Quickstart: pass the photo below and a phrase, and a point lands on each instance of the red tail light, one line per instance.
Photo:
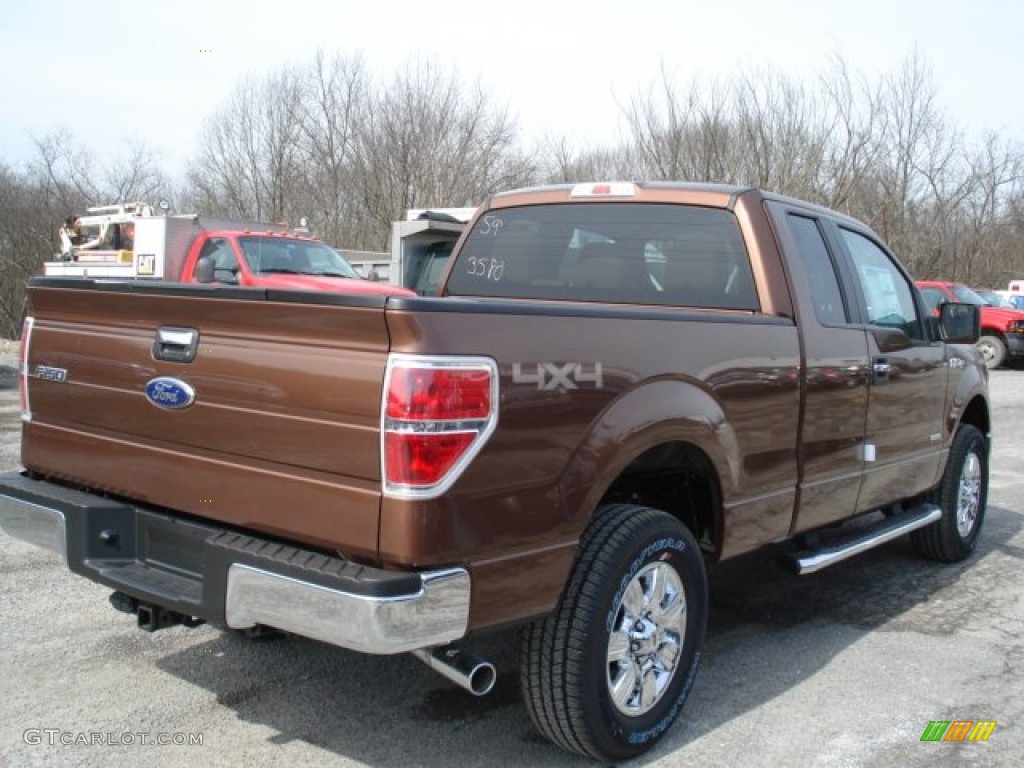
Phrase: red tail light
(437, 414)
(439, 394)
(26, 340)
(422, 459)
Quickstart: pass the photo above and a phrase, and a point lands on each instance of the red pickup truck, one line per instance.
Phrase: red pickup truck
(620, 385)
(200, 249)
(1002, 330)
(272, 260)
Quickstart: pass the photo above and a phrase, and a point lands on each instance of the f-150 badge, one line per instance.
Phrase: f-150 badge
(49, 373)
(170, 393)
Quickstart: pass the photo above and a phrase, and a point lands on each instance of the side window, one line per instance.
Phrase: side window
(819, 270)
(225, 265)
(933, 297)
(435, 261)
(887, 294)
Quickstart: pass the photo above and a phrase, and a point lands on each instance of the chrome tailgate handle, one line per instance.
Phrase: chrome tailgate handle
(176, 345)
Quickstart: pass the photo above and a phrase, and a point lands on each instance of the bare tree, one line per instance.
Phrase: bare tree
(24, 244)
(249, 158)
(884, 152)
(60, 180)
(761, 129)
(66, 170)
(429, 140)
(851, 109)
(782, 131)
(912, 133)
(686, 135)
(562, 163)
(333, 108)
(135, 175)
(996, 171)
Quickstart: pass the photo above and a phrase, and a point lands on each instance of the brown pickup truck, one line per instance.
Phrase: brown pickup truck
(619, 385)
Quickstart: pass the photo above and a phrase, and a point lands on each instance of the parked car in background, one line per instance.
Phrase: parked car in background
(995, 298)
(1009, 299)
(1002, 330)
(1015, 299)
(140, 242)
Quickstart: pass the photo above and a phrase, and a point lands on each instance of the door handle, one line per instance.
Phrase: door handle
(176, 345)
(880, 370)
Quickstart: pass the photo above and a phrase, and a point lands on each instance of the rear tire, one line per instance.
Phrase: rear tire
(607, 673)
(962, 495)
(993, 351)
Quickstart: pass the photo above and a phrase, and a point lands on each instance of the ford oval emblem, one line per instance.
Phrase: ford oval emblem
(170, 393)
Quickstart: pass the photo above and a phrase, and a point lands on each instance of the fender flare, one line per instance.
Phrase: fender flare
(655, 412)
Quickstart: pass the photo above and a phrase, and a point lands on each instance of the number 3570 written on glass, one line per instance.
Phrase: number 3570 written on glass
(491, 269)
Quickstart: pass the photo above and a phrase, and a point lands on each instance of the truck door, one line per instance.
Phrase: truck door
(903, 445)
(835, 371)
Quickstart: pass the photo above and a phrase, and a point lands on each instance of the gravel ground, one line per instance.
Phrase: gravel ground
(10, 426)
(842, 668)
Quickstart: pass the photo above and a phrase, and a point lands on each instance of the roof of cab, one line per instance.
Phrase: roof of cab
(715, 195)
(681, 192)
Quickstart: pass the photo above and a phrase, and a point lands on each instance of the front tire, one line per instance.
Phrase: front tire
(993, 351)
(962, 495)
(607, 673)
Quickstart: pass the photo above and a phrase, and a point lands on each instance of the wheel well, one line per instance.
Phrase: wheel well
(677, 478)
(976, 413)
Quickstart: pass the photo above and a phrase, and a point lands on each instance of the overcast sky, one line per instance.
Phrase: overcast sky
(154, 70)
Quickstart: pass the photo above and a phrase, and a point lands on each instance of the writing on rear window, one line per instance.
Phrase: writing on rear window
(492, 269)
(490, 225)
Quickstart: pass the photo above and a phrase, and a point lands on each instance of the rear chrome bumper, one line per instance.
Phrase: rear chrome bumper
(234, 579)
(35, 524)
(434, 615)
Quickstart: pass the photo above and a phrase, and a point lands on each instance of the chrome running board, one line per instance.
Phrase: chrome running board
(809, 561)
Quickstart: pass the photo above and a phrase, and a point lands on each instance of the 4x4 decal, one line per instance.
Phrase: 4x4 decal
(558, 376)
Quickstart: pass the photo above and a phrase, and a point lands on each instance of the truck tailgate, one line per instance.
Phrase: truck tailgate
(283, 433)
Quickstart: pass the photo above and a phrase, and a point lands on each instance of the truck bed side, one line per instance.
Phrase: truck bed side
(638, 379)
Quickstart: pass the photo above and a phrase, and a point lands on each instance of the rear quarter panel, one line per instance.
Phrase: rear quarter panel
(725, 383)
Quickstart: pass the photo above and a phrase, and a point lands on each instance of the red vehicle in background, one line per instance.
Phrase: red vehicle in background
(1002, 330)
(132, 241)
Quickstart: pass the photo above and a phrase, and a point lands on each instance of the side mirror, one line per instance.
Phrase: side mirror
(204, 270)
(959, 323)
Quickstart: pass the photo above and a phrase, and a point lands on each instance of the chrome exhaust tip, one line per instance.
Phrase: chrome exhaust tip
(467, 670)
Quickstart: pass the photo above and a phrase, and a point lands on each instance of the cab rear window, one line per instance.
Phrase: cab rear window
(625, 253)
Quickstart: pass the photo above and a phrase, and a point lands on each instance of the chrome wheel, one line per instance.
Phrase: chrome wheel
(646, 639)
(993, 351)
(969, 496)
(988, 353)
(606, 674)
(961, 495)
